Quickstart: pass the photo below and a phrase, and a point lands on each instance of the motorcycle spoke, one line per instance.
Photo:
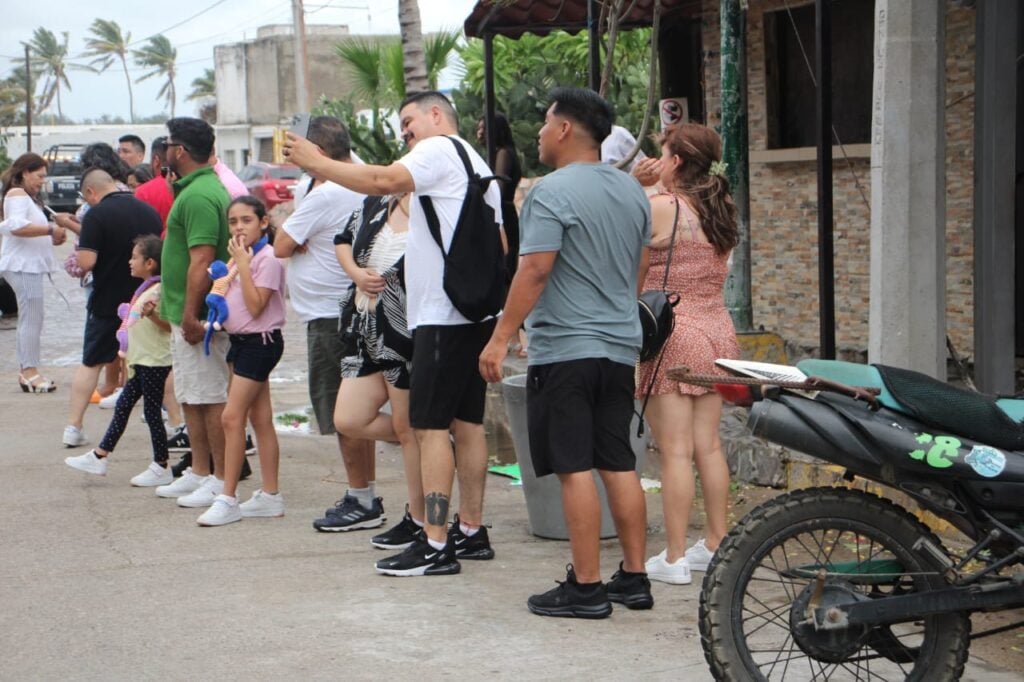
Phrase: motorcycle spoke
(776, 618)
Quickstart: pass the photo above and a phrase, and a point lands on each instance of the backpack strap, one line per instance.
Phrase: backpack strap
(433, 224)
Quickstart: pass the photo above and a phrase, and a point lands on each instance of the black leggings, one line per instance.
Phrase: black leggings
(147, 383)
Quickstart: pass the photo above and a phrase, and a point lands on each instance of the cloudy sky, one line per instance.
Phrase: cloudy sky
(218, 22)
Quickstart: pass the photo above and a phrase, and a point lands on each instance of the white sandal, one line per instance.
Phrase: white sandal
(29, 385)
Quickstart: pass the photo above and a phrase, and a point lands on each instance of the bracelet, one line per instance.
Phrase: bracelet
(51, 229)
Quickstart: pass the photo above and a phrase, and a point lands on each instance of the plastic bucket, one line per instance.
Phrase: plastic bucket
(544, 494)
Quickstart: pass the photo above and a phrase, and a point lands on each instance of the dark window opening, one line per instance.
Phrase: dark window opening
(789, 73)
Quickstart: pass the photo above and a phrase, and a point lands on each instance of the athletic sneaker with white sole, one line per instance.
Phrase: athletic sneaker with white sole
(676, 573)
(263, 505)
(420, 558)
(89, 463)
(110, 402)
(222, 511)
(74, 437)
(153, 476)
(699, 556)
(204, 495)
(183, 485)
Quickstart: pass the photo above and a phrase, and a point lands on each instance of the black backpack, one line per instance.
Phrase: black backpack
(474, 266)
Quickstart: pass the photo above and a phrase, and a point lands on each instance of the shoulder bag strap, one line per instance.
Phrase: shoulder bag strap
(671, 245)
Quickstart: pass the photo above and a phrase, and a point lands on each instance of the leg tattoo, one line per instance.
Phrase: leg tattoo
(436, 508)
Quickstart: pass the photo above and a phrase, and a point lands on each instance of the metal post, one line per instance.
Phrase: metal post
(301, 57)
(28, 99)
(594, 34)
(489, 104)
(826, 261)
(995, 133)
(735, 154)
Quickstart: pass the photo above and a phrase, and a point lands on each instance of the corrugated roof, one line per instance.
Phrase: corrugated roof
(513, 18)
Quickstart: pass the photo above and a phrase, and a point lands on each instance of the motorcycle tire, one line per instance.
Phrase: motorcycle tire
(755, 592)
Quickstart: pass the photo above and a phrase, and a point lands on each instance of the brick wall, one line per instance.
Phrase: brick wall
(783, 202)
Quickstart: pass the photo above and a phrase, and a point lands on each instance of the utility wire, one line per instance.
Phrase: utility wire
(180, 23)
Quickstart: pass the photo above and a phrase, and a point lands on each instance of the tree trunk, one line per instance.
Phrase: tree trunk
(413, 59)
(174, 95)
(60, 112)
(131, 99)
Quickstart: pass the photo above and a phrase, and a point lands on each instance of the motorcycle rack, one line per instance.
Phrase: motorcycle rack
(866, 394)
(888, 610)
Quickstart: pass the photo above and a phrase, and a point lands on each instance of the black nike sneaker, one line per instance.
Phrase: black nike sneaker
(420, 558)
(474, 547)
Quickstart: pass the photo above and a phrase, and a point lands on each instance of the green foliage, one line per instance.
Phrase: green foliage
(204, 87)
(527, 69)
(160, 57)
(375, 141)
(378, 83)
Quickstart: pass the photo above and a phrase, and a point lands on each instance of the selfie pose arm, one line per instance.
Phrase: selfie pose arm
(365, 179)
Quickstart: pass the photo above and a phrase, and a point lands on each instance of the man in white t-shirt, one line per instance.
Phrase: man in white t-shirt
(446, 389)
(315, 285)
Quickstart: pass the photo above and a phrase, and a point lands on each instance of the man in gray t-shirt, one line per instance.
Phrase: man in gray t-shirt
(585, 229)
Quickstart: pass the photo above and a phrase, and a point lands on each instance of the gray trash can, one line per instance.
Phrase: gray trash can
(544, 495)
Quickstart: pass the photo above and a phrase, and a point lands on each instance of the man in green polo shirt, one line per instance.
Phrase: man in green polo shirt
(197, 235)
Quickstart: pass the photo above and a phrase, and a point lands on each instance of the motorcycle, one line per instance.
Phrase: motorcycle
(837, 583)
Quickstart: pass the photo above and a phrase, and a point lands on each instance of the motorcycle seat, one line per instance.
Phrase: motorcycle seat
(978, 416)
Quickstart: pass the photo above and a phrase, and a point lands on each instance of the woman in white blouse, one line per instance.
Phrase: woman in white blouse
(26, 257)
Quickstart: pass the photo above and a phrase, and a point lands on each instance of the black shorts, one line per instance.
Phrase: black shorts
(445, 381)
(578, 415)
(100, 340)
(254, 356)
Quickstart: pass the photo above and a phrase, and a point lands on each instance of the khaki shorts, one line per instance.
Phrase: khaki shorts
(200, 379)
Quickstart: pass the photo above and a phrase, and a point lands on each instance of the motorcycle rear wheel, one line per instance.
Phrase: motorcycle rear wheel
(755, 593)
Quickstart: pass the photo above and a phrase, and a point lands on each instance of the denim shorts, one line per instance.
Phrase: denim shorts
(254, 356)
(100, 340)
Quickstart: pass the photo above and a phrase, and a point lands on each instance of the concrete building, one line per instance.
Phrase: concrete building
(255, 83)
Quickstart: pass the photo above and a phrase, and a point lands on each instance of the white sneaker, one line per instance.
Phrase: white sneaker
(263, 504)
(74, 437)
(223, 510)
(204, 495)
(699, 556)
(89, 463)
(183, 485)
(678, 573)
(154, 475)
(110, 402)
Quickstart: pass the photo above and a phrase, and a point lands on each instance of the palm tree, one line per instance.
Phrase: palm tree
(160, 56)
(108, 43)
(412, 46)
(49, 56)
(364, 60)
(204, 87)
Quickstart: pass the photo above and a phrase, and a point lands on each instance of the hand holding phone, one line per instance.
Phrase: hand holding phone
(300, 125)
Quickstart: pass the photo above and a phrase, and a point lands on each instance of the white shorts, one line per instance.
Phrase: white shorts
(200, 379)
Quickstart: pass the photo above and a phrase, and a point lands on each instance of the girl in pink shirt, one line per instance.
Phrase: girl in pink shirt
(255, 302)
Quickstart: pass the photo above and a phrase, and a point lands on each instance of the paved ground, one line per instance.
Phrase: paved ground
(100, 580)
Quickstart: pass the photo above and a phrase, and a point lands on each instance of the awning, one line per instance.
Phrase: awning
(513, 18)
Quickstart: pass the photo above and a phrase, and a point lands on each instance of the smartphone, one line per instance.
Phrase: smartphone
(50, 211)
(300, 125)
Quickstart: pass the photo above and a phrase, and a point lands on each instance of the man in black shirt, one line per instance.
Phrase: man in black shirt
(109, 229)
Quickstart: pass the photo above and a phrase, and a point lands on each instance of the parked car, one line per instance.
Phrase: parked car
(271, 183)
(64, 170)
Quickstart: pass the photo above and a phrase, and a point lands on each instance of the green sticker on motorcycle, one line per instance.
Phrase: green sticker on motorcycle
(943, 451)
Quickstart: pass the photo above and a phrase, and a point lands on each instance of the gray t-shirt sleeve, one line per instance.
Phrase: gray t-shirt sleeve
(542, 228)
(648, 224)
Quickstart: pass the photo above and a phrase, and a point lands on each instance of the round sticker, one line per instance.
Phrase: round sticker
(986, 460)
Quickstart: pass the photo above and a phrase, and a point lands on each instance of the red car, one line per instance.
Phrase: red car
(271, 183)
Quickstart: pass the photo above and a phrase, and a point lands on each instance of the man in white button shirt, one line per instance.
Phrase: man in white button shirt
(315, 285)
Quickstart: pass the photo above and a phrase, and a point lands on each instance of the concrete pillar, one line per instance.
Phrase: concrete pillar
(907, 323)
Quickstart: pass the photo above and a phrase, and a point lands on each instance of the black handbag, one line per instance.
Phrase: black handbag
(657, 320)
